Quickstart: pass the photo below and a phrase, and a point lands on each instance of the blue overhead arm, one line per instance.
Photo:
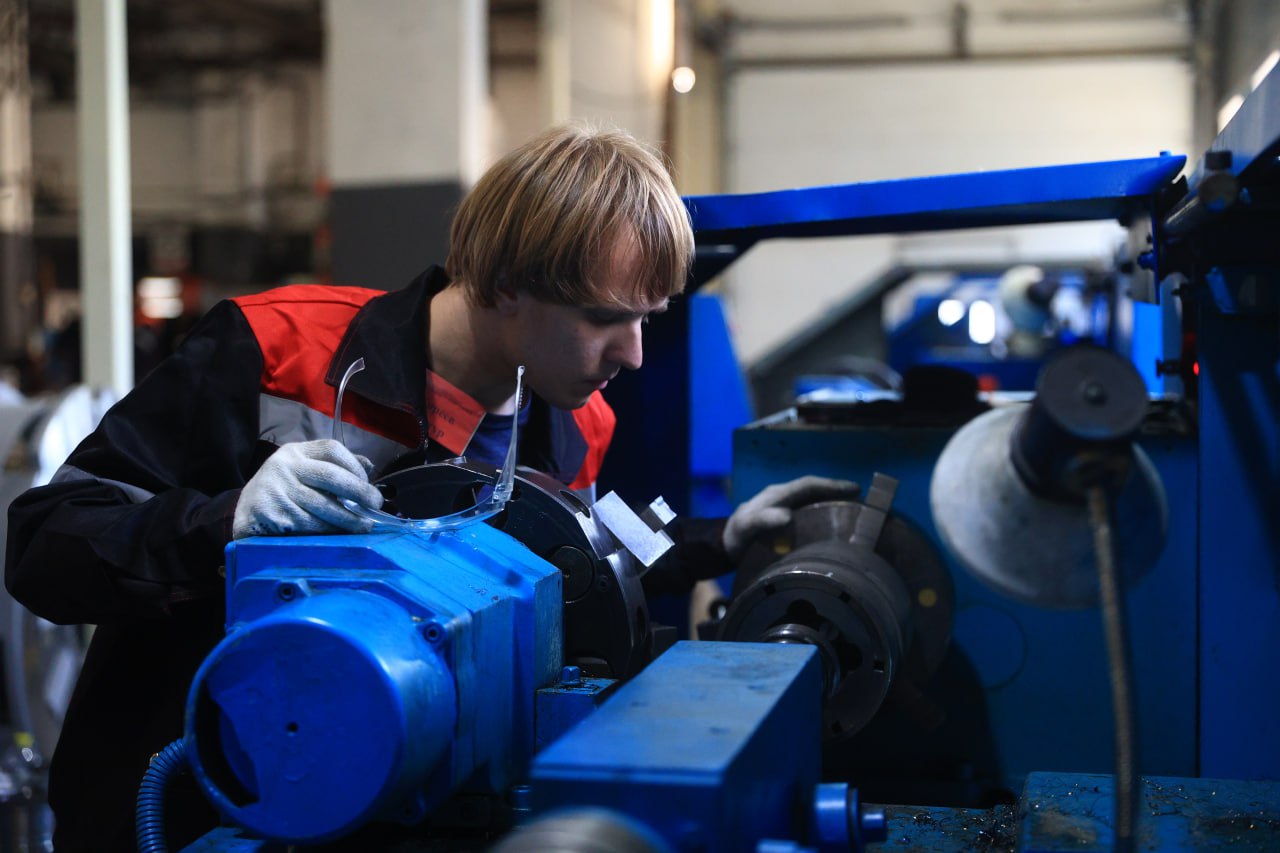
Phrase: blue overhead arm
(727, 225)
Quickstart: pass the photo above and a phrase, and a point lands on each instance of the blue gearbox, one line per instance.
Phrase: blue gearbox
(369, 677)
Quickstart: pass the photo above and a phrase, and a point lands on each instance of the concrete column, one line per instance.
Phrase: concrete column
(17, 286)
(619, 63)
(106, 223)
(407, 84)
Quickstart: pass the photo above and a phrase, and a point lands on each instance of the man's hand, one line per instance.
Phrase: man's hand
(771, 508)
(299, 489)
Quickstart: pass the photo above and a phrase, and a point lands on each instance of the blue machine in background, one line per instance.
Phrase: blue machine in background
(395, 678)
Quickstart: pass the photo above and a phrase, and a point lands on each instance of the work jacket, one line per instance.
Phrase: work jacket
(130, 533)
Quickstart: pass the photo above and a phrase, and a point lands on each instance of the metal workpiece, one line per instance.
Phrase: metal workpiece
(863, 587)
(642, 534)
(607, 631)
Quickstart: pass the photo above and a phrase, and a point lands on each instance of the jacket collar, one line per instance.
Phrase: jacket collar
(390, 334)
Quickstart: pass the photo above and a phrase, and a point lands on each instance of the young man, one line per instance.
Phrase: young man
(557, 258)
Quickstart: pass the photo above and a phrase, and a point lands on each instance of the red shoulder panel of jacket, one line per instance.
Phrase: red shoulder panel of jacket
(298, 329)
(596, 420)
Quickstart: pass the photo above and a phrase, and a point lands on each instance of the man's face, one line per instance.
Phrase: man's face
(571, 351)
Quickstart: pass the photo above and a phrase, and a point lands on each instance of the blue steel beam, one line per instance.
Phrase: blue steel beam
(1088, 191)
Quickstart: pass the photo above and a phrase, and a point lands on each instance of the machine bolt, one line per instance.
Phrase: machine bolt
(873, 825)
(286, 591)
(433, 632)
(1217, 160)
(521, 799)
(1095, 392)
(570, 676)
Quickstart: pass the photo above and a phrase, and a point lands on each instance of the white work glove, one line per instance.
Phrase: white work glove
(298, 489)
(771, 508)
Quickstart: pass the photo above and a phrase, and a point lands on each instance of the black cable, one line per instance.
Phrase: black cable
(1126, 781)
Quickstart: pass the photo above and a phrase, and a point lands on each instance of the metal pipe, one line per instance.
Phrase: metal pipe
(1126, 781)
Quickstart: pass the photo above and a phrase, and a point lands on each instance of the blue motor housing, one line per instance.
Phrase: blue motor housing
(369, 677)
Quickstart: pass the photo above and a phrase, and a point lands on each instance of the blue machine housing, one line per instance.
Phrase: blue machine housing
(715, 746)
(369, 677)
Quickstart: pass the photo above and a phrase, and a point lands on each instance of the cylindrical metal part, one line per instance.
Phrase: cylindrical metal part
(1089, 401)
(583, 830)
(846, 601)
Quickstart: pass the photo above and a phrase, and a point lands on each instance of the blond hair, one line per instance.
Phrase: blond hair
(545, 218)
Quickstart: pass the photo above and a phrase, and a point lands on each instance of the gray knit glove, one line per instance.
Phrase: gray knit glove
(298, 488)
(771, 508)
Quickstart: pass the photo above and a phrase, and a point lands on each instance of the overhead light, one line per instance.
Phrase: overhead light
(982, 322)
(682, 79)
(950, 312)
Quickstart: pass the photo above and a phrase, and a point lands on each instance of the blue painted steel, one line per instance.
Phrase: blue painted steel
(560, 708)
(1041, 693)
(1253, 134)
(369, 677)
(1073, 812)
(1106, 190)
(719, 401)
(713, 746)
(1239, 545)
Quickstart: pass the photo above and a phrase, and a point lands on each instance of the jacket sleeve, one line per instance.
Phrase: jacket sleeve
(137, 518)
(698, 554)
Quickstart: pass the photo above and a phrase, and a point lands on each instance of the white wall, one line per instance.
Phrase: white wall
(406, 80)
(248, 152)
(811, 125)
(615, 57)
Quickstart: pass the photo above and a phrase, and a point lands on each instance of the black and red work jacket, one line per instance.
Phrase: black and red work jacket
(130, 533)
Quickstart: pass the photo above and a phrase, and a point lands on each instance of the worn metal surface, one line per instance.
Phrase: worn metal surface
(1073, 812)
(713, 746)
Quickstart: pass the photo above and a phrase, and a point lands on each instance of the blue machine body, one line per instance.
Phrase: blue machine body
(719, 736)
(370, 677)
(1238, 352)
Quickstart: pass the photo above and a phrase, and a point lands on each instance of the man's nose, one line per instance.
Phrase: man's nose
(628, 346)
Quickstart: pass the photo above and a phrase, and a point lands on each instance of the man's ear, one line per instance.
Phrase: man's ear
(506, 300)
(506, 297)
